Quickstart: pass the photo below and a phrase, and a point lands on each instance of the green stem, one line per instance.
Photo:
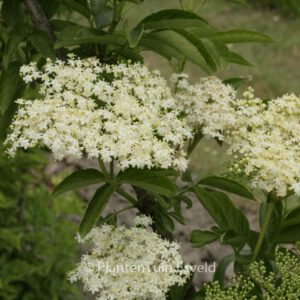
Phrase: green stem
(127, 196)
(264, 228)
(124, 209)
(111, 169)
(103, 169)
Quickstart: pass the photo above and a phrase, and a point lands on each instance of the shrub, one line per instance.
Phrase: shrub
(37, 246)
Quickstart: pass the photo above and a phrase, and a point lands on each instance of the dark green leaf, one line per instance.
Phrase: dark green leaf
(227, 185)
(42, 43)
(171, 18)
(178, 217)
(10, 85)
(151, 42)
(200, 238)
(94, 209)
(11, 47)
(240, 36)
(78, 179)
(289, 232)
(163, 222)
(223, 264)
(77, 6)
(103, 14)
(76, 35)
(275, 221)
(12, 13)
(227, 217)
(49, 7)
(154, 182)
(181, 292)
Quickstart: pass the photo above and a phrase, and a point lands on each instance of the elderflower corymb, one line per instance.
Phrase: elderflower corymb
(267, 139)
(129, 263)
(124, 112)
(208, 104)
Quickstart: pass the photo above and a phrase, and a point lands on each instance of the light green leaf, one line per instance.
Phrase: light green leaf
(94, 209)
(183, 46)
(239, 60)
(204, 46)
(78, 179)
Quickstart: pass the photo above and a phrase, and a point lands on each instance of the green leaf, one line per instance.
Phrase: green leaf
(240, 36)
(11, 47)
(235, 58)
(10, 85)
(227, 185)
(42, 43)
(163, 222)
(275, 221)
(183, 46)
(222, 267)
(172, 18)
(12, 13)
(204, 46)
(77, 35)
(179, 292)
(289, 232)
(49, 7)
(154, 182)
(103, 14)
(76, 6)
(78, 179)
(95, 207)
(236, 82)
(228, 218)
(151, 42)
(134, 36)
(200, 238)
(176, 19)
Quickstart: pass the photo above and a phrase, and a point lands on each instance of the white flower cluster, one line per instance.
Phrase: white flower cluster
(122, 112)
(208, 104)
(267, 139)
(142, 220)
(129, 263)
